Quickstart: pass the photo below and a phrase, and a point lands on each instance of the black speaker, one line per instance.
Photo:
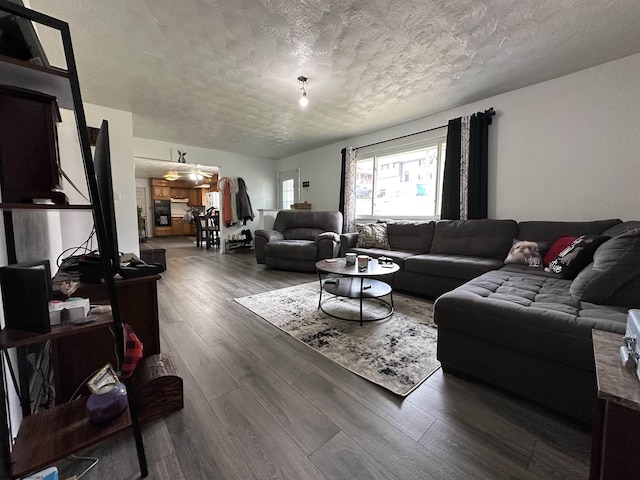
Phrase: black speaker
(26, 291)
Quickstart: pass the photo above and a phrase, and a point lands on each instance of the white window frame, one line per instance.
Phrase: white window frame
(425, 140)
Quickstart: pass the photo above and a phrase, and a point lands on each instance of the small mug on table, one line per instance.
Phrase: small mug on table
(363, 262)
(351, 258)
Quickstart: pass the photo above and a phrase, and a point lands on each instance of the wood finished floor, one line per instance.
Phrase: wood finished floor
(261, 405)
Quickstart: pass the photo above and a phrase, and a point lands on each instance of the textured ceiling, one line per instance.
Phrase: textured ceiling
(222, 74)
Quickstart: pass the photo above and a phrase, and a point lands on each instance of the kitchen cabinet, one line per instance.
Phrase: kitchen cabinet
(178, 227)
(194, 198)
(162, 231)
(160, 191)
(180, 192)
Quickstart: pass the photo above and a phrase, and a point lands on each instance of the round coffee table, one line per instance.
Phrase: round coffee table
(355, 283)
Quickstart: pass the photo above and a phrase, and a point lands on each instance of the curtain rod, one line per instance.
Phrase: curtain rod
(491, 112)
(403, 136)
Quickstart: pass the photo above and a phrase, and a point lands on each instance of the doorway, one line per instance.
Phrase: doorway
(141, 202)
(288, 188)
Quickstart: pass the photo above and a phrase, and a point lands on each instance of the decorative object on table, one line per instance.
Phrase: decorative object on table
(74, 310)
(108, 397)
(69, 287)
(398, 353)
(107, 403)
(630, 350)
(363, 262)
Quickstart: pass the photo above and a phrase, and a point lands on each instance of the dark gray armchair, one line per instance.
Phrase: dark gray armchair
(299, 239)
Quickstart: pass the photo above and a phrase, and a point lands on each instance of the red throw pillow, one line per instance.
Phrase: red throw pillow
(559, 245)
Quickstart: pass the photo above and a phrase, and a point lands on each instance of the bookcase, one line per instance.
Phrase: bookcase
(57, 432)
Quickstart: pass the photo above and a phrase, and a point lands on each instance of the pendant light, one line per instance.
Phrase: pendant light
(304, 101)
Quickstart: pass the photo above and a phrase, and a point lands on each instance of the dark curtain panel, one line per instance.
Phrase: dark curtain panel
(451, 181)
(342, 179)
(478, 165)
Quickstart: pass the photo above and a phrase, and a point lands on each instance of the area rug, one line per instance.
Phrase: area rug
(398, 353)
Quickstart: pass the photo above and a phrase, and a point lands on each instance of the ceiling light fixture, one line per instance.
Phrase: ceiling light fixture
(304, 101)
(171, 175)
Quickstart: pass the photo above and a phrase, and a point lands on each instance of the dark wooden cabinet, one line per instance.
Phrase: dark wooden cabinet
(28, 146)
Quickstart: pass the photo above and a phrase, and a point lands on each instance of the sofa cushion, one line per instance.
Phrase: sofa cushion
(396, 256)
(307, 225)
(291, 249)
(410, 235)
(453, 266)
(576, 256)
(372, 235)
(545, 231)
(477, 238)
(527, 252)
(614, 276)
(301, 233)
(621, 228)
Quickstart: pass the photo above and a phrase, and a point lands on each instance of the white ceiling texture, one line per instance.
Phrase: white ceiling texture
(222, 74)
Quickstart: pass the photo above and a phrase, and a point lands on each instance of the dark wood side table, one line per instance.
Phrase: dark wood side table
(616, 431)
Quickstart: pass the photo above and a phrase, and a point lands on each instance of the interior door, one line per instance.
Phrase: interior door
(288, 188)
(141, 201)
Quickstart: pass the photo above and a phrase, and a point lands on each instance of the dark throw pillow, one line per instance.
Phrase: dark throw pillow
(527, 252)
(556, 247)
(570, 261)
(372, 235)
(614, 276)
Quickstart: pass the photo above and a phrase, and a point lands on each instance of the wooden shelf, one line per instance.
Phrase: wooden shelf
(57, 433)
(11, 338)
(52, 81)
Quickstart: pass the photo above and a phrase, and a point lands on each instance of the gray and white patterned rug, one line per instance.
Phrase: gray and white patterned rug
(398, 353)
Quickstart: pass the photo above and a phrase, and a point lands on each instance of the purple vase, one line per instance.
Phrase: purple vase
(107, 403)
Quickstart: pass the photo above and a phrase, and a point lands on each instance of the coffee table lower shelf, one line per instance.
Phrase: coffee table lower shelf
(360, 288)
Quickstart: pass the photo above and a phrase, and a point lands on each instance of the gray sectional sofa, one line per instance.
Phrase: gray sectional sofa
(517, 327)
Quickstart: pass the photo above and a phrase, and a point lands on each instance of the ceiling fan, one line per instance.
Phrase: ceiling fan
(194, 172)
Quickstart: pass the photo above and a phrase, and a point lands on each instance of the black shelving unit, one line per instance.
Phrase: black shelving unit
(47, 436)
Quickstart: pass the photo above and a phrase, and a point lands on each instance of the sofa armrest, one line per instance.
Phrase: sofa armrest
(261, 238)
(328, 244)
(347, 241)
(269, 235)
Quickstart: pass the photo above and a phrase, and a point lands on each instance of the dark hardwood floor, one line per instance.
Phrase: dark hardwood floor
(261, 405)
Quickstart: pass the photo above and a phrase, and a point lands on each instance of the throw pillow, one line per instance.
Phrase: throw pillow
(614, 276)
(372, 235)
(527, 252)
(576, 256)
(556, 247)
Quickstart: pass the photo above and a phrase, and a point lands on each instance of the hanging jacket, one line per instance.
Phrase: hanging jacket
(226, 185)
(243, 203)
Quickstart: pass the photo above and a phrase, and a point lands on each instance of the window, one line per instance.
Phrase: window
(401, 181)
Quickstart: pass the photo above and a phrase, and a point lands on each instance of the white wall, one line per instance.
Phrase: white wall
(78, 224)
(565, 149)
(258, 173)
